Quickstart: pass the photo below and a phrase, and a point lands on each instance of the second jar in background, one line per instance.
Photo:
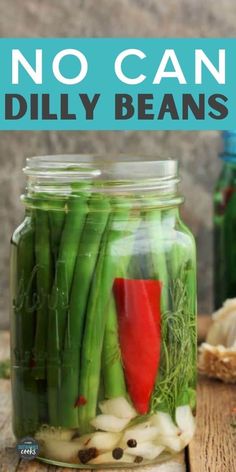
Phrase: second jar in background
(225, 224)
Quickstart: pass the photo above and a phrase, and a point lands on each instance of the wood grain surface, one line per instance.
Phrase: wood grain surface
(213, 448)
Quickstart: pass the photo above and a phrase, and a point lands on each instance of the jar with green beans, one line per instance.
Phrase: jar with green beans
(103, 317)
(225, 224)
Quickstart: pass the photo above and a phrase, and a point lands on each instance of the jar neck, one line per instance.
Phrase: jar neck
(147, 200)
(229, 158)
(229, 145)
(53, 181)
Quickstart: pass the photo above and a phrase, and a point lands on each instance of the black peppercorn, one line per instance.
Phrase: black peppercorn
(138, 459)
(132, 443)
(86, 455)
(117, 453)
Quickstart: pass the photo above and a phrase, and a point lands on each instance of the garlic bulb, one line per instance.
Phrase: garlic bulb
(218, 354)
(223, 329)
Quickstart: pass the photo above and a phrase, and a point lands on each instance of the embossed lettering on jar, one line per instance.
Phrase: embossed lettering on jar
(103, 319)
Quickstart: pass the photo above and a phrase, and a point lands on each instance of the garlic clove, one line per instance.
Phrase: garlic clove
(109, 423)
(185, 419)
(165, 424)
(140, 433)
(119, 407)
(174, 443)
(103, 441)
(223, 329)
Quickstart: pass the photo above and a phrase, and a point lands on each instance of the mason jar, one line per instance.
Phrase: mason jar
(103, 319)
(225, 223)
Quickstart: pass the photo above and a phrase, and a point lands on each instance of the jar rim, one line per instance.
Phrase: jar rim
(58, 175)
(110, 167)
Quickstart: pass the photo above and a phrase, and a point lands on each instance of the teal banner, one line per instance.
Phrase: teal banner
(117, 84)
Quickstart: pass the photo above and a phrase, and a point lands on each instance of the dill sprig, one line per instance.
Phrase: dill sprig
(176, 377)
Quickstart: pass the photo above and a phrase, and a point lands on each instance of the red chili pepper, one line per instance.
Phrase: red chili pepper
(80, 401)
(139, 318)
(225, 198)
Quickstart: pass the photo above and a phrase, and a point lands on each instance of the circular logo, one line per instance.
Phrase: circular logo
(28, 448)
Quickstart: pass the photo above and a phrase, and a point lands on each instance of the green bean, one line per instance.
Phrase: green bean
(59, 303)
(113, 375)
(56, 222)
(86, 260)
(157, 261)
(44, 283)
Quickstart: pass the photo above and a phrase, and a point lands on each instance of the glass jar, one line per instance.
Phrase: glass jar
(103, 323)
(225, 224)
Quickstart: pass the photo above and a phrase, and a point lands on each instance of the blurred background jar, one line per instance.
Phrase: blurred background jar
(225, 223)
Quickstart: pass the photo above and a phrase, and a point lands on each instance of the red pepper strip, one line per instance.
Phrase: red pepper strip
(80, 401)
(225, 198)
(138, 308)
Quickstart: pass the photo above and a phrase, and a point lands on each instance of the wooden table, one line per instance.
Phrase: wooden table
(212, 450)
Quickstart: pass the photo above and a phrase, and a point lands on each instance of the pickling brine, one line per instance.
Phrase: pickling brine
(103, 322)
